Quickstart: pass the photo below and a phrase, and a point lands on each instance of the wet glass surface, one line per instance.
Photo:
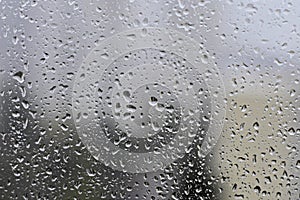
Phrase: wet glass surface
(141, 99)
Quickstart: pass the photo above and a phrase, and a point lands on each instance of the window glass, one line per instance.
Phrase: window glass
(149, 99)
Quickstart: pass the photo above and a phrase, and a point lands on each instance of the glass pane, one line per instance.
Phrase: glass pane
(148, 99)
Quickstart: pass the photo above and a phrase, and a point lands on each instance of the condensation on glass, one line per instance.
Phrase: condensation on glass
(148, 99)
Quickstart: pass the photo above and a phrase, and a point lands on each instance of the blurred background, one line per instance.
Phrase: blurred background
(255, 45)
